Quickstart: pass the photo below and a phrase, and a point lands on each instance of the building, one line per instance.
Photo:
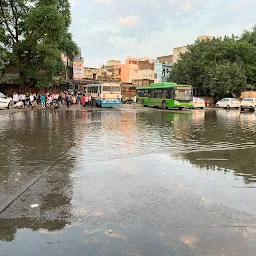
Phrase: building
(111, 72)
(130, 70)
(146, 69)
(91, 73)
(166, 59)
(162, 71)
(201, 38)
(179, 50)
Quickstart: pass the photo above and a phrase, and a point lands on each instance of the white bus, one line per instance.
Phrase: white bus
(105, 95)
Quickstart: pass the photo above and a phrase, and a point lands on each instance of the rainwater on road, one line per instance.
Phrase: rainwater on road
(127, 182)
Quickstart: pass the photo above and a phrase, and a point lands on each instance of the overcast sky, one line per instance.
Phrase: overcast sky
(115, 29)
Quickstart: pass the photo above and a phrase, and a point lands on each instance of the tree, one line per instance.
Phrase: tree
(35, 35)
(202, 63)
(225, 78)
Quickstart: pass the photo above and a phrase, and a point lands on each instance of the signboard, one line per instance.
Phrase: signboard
(78, 68)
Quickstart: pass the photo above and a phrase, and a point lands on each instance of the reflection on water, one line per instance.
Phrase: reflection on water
(65, 143)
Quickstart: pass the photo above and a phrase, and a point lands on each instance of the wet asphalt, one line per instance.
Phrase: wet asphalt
(127, 182)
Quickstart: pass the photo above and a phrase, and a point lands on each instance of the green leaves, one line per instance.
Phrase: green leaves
(219, 66)
(33, 34)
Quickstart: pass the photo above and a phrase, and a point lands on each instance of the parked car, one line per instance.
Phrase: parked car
(4, 101)
(228, 103)
(198, 103)
(248, 103)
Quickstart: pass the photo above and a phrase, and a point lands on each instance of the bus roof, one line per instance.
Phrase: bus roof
(162, 85)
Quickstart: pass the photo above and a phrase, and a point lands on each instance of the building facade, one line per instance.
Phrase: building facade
(162, 71)
(91, 73)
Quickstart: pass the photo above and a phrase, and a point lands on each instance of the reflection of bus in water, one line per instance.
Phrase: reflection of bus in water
(166, 95)
(105, 95)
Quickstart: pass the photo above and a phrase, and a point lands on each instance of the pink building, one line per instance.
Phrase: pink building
(130, 70)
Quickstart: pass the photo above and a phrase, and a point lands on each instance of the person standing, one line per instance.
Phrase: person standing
(28, 101)
(90, 100)
(83, 100)
(43, 100)
(23, 99)
(31, 99)
(86, 100)
(68, 100)
(15, 98)
(134, 101)
(79, 99)
(60, 99)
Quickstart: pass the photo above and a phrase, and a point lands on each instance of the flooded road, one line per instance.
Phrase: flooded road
(127, 182)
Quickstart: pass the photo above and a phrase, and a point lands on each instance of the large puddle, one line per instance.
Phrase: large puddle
(128, 182)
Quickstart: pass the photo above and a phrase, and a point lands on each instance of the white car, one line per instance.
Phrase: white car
(4, 101)
(228, 103)
(198, 103)
(248, 103)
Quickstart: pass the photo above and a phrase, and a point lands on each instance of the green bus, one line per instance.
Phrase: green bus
(165, 95)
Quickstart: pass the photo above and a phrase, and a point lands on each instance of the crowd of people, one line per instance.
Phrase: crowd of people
(51, 99)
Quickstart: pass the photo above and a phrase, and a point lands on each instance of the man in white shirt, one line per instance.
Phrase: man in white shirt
(15, 98)
(31, 99)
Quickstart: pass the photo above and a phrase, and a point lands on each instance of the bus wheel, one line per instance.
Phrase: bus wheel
(180, 108)
(142, 103)
(164, 105)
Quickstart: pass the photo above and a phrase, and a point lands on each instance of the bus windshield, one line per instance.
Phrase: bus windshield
(108, 88)
(183, 94)
(116, 89)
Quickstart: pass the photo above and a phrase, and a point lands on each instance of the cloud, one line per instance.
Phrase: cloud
(104, 1)
(129, 20)
(111, 29)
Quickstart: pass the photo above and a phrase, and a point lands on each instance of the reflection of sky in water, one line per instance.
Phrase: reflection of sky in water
(131, 167)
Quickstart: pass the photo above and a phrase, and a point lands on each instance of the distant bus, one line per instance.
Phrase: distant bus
(105, 95)
(165, 95)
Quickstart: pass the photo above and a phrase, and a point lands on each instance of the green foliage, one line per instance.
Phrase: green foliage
(34, 34)
(219, 66)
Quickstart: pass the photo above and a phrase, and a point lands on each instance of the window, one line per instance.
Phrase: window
(143, 93)
(2, 95)
(183, 94)
(107, 88)
(116, 89)
(249, 100)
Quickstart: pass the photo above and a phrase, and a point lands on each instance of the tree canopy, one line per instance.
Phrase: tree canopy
(220, 66)
(33, 34)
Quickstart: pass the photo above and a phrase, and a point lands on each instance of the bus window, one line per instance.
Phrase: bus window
(170, 94)
(106, 88)
(165, 94)
(116, 89)
(183, 94)
(158, 93)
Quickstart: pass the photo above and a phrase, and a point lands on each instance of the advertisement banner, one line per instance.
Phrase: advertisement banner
(78, 68)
